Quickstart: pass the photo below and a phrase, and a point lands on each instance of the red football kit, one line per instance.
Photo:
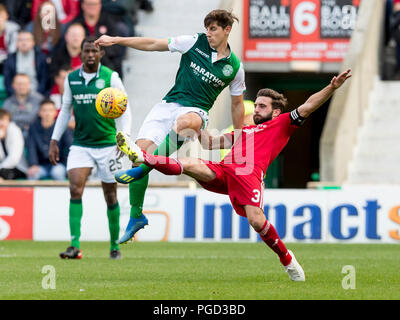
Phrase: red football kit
(241, 173)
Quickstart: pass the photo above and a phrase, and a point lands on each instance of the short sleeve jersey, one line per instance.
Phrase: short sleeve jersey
(201, 77)
(91, 129)
(260, 144)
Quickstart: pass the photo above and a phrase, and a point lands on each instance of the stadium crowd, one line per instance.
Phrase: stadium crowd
(40, 43)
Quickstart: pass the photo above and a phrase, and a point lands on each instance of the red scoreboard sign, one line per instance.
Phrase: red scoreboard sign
(287, 30)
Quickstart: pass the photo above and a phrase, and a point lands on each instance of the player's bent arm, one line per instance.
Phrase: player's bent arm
(237, 110)
(61, 123)
(319, 98)
(65, 113)
(210, 142)
(138, 43)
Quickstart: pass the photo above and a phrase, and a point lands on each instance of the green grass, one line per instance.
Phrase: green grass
(198, 271)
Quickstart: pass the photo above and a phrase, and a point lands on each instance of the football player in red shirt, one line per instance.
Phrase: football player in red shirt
(240, 174)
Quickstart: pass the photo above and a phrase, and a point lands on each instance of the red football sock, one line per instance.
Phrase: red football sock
(269, 235)
(166, 165)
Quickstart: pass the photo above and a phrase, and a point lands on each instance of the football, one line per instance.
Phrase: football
(111, 103)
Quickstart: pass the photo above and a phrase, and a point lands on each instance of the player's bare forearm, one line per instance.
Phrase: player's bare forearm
(210, 142)
(237, 110)
(54, 153)
(138, 43)
(318, 99)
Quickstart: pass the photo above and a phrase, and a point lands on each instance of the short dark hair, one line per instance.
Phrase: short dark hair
(223, 18)
(64, 67)
(74, 24)
(5, 113)
(90, 39)
(279, 101)
(47, 101)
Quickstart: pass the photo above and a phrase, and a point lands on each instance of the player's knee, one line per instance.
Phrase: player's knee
(256, 225)
(188, 126)
(76, 191)
(255, 217)
(111, 198)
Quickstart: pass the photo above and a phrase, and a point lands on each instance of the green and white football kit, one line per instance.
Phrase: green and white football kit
(94, 142)
(199, 81)
(94, 135)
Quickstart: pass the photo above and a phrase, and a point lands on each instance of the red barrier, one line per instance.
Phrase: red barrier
(16, 213)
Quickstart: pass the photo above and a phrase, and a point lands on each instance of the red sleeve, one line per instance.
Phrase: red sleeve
(35, 7)
(287, 122)
(72, 9)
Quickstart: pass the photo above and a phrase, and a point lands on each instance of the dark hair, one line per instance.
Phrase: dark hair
(90, 39)
(278, 100)
(5, 113)
(223, 18)
(46, 101)
(74, 24)
(62, 68)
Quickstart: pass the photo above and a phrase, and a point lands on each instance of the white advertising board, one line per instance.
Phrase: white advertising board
(350, 215)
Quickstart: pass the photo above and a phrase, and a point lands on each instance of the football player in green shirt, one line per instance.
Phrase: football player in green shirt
(207, 67)
(93, 144)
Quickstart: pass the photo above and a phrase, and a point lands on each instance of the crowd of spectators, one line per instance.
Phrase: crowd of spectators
(40, 43)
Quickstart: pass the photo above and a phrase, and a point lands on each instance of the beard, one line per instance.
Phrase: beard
(258, 119)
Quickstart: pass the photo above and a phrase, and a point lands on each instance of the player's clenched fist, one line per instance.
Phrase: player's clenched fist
(105, 41)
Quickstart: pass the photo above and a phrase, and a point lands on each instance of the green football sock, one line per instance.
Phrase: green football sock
(75, 217)
(137, 188)
(113, 212)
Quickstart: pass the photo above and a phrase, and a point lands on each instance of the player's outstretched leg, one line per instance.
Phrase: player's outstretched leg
(271, 238)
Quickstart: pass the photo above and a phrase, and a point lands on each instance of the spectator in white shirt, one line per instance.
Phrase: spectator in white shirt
(12, 160)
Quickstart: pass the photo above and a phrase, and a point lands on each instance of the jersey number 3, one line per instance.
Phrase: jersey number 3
(256, 197)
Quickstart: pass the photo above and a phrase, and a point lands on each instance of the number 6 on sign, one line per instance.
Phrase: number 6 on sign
(304, 20)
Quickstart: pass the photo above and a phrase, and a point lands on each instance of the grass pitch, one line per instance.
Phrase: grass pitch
(197, 271)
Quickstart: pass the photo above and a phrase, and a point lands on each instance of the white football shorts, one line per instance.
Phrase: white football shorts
(103, 159)
(161, 119)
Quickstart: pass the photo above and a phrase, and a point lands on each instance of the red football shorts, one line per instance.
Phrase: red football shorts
(243, 189)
